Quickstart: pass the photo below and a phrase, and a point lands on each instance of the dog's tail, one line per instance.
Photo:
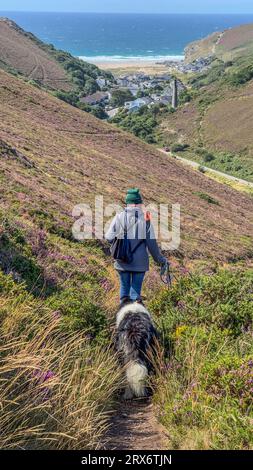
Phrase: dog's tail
(136, 374)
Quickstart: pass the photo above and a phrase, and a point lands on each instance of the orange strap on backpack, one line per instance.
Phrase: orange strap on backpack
(147, 216)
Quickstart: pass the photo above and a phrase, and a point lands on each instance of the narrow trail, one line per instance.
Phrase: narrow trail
(135, 427)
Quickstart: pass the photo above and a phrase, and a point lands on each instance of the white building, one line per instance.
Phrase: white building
(135, 105)
(112, 112)
(102, 82)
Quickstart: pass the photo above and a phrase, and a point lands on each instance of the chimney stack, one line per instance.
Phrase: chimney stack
(174, 94)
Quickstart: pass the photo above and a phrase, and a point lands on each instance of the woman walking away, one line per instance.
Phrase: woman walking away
(131, 228)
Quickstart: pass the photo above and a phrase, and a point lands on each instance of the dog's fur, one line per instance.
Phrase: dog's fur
(136, 337)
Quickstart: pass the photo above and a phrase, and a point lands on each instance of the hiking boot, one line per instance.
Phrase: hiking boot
(140, 301)
(125, 301)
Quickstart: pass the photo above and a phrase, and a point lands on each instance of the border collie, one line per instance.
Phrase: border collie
(135, 341)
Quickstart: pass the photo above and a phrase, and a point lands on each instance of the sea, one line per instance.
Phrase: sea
(102, 37)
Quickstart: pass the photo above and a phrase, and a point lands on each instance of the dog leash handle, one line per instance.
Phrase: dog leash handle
(166, 275)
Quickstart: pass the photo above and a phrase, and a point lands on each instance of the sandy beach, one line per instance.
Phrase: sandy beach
(125, 63)
(131, 65)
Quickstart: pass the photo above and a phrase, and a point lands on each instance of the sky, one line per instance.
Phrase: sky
(131, 6)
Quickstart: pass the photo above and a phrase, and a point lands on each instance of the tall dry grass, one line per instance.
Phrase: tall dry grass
(56, 389)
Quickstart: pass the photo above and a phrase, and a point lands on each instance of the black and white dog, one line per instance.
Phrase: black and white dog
(136, 339)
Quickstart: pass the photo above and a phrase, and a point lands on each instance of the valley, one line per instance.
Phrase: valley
(61, 378)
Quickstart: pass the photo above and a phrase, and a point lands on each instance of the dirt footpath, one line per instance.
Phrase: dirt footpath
(135, 427)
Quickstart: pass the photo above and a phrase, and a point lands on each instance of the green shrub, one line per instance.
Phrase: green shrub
(16, 257)
(204, 387)
(207, 198)
(223, 299)
(179, 147)
(142, 123)
(69, 97)
(97, 111)
(212, 75)
(185, 97)
(19, 310)
(120, 96)
(231, 375)
(241, 76)
(79, 312)
(208, 157)
(205, 101)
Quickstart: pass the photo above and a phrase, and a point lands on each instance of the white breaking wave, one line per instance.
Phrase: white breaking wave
(120, 58)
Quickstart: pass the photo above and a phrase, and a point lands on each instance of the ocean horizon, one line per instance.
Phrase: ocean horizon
(99, 37)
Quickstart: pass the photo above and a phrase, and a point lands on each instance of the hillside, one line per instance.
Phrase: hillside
(19, 52)
(213, 121)
(23, 53)
(225, 45)
(74, 156)
(216, 123)
(58, 297)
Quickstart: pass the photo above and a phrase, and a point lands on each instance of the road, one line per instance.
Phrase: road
(211, 170)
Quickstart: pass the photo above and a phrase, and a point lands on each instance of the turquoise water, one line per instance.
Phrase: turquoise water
(114, 36)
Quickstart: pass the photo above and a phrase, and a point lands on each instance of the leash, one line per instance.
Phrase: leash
(166, 276)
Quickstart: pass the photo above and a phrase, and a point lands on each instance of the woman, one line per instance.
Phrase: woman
(141, 236)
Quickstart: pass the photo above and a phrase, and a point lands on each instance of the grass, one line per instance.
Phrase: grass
(56, 387)
(237, 165)
(70, 278)
(204, 387)
(235, 43)
(233, 184)
(214, 100)
(46, 67)
(215, 123)
(57, 296)
(77, 166)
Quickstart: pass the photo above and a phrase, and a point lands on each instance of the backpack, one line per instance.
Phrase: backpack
(121, 247)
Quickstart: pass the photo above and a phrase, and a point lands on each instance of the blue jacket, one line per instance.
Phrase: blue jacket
(137, 230)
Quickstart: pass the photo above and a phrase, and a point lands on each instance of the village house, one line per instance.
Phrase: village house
(155, 97)
(199, 65)
(112, 112)
(146, 85)
(166, 99)
(96, 98)
(133, 88)
(164, 78)
(123, 82)
(134, 83)
(135, 105)
(154, 83)
(140, 77)
(146, 100)
(101, 82)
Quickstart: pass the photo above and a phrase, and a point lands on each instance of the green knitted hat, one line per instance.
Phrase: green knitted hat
(133, 196)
